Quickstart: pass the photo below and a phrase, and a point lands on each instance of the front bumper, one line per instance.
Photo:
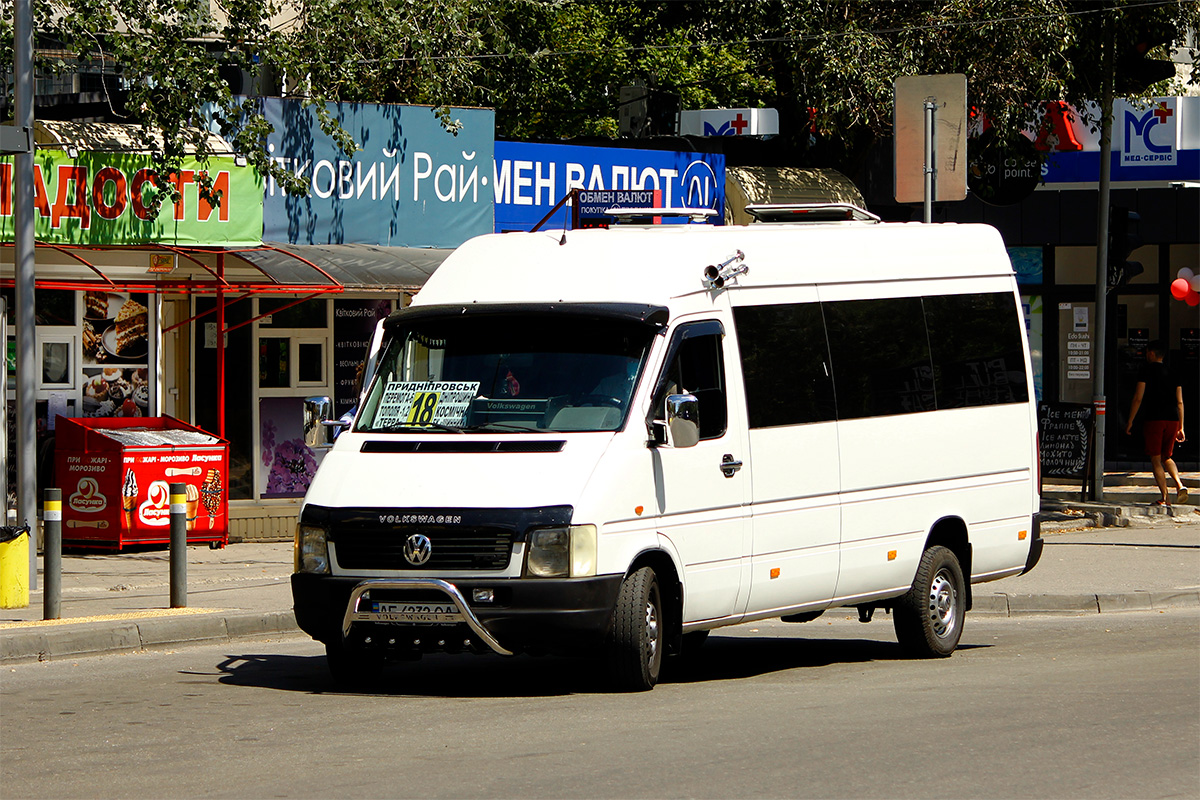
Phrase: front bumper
(561, 615)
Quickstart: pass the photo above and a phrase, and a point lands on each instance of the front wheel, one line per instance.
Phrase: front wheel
(635, 640)
(929, 618)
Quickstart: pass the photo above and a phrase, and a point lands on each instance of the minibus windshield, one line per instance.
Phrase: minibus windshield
(506, 374)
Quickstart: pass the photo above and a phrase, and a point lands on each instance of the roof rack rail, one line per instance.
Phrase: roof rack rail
(636, 214)
(810, 212)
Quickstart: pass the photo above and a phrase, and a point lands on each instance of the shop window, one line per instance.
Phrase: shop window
(310, 363)
(56, 357)
(274, 362)
(309, 314)
(50, 306)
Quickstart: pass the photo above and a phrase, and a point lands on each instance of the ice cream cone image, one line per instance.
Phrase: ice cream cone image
(193, 502)
(210, 490)
(129, 491)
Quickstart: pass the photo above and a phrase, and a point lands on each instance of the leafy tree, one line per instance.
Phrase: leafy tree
(553, 69)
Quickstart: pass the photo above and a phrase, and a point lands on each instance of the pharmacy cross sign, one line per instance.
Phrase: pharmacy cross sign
(1162, 112)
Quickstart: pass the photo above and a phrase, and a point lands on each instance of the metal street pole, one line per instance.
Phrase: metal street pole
(23, 308)
(930, 152)
(1102, 208)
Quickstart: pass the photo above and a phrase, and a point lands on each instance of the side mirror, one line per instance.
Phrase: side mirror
(683, 420)
(317, 431)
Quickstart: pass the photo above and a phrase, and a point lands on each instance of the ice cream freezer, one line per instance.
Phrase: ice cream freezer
(115, 476)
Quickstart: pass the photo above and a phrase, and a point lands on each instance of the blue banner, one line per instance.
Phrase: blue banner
(413, 184)
(530, 178)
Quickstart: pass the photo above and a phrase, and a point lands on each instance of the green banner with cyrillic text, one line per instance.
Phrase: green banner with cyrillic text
(108, 199)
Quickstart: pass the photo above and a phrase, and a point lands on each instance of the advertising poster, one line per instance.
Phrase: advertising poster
(531, 178)
(412, 183)
(1032, 305)
(101, 198)
(288, 464)
(354, 324)
(116, 354)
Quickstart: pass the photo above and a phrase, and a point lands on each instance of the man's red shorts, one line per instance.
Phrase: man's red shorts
(1160, 436)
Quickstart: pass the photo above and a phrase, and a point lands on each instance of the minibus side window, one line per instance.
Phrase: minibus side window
(697, 369)
(880, 354)
(785, 364)
(978, 358)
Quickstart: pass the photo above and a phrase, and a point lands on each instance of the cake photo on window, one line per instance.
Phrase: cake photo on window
(131, 328)
(95, 305)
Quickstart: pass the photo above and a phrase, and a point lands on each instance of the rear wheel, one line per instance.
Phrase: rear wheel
(635, 641)
(353, 667)
(929, 618)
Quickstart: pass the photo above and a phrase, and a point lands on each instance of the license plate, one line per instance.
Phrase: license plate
(415, 612)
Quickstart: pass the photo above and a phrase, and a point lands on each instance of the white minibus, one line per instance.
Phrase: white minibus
(610, 442)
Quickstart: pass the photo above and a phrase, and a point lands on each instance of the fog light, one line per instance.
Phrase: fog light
(483, 595)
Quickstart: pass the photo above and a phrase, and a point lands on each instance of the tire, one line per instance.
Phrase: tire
(351, 667)
(929, 618)
(635, 639)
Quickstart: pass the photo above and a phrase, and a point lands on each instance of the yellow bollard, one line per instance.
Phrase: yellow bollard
(14, 568)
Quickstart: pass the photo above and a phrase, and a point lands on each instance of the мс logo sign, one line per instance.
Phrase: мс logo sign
(1151, 136)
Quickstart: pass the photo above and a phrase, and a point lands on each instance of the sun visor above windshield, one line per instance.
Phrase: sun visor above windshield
(651, 315)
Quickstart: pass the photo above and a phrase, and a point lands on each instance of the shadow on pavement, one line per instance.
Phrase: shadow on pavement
(484, 676)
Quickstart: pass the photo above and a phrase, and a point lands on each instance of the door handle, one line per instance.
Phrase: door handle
(729, 465)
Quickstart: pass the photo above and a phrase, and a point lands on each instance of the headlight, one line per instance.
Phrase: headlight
(312, 551)
(562, 552)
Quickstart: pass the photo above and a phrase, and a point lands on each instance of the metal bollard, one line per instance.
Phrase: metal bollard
(178, 545)
(52, 558)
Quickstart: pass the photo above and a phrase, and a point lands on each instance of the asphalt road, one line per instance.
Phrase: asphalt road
(1096, 706)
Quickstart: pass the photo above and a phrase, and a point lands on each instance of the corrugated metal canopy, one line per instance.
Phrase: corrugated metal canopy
(354, 266)
(105, 137)
(791, 185)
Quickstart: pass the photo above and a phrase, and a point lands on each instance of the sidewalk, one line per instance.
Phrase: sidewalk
(119, 603)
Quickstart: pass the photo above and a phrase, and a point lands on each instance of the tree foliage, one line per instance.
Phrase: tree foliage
(553, 69)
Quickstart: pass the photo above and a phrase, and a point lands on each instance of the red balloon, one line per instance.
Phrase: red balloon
(1180, 288)
(1192, 298)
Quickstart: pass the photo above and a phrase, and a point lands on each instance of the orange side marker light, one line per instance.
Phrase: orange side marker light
(774, 573)
(1021, 535)
(891, 555)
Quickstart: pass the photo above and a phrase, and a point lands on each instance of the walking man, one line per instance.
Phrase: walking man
(1159, 396)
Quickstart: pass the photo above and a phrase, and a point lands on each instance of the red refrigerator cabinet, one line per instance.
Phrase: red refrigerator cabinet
(115, 476)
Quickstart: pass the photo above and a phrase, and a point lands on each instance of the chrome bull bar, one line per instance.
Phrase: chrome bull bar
(451, 591)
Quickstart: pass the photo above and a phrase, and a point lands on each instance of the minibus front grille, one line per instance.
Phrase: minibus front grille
(460, 548)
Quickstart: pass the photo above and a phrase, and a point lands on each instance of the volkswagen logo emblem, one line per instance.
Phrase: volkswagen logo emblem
(417, 549)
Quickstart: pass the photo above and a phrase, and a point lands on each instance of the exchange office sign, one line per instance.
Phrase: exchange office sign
(530, 178)
(412, 183)
(107, 199)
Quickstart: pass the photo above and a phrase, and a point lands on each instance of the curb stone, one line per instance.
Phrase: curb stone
(96, 638)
